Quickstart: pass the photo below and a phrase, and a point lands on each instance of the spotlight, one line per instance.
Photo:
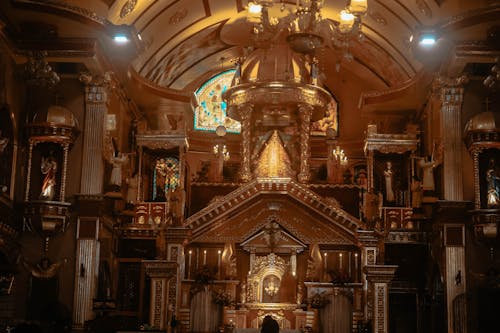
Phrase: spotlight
(121, 38)
(427, 39)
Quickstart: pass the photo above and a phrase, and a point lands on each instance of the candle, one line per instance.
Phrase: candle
(355, 267)
(204, 257)
(189, 264)
(218, 262)
(340, 261)
(325, 263)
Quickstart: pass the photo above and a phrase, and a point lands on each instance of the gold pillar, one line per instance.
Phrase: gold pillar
(246, 115)
(305, 125)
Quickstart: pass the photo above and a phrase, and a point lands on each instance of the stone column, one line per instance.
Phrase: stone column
(246, 115)
(91, 186)
(93, 136)
(305, 126)
(378, 277)
(451, 95)
(450, 221)
(86, 270)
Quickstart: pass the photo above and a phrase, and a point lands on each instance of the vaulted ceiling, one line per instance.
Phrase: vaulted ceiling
(184, 42)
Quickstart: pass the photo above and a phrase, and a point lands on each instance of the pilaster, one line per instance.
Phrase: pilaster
(451, 93)
(378, 277)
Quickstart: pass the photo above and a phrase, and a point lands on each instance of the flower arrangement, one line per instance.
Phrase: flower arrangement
(339, 277)
(318, 300)
(203, 277)
(222, 297)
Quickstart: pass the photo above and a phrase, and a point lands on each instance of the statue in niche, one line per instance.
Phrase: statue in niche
(389, 183)
(273, 161)
(48, 167)
(493, 186)
(416, 192)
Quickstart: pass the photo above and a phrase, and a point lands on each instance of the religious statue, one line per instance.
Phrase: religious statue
(243, 293)
(427, 165)
(118, 160)
(300, 294)
(416, 192)
(229, 261)
(43, 270)
(389, 183)
(48, 168)
(493, 186)
(314, 264)
(371, 206)
(132, 183)
(175, 203)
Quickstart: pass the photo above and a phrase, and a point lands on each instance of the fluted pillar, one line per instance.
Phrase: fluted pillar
(91, 187)
(451, 94)
(477, 189)
(93, 137)
(86, 270)
(246, 115)
(305, 126)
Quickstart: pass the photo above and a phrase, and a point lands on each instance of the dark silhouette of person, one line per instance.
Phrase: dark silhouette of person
(269, 325)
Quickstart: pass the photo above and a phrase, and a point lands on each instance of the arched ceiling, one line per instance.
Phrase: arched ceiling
(184, 42)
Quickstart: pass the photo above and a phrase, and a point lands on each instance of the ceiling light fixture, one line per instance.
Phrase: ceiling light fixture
(305, 28)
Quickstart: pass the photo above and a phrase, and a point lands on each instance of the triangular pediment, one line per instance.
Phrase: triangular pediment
(273, 238)
(304, 215)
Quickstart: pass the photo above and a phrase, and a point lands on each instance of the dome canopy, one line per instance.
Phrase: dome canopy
(57, 115)
(277, 63)
(484, 121)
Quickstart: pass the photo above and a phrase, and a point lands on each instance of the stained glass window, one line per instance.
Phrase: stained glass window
(211, 110)
(165, 177)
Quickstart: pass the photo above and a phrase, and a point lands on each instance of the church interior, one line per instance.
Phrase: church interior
(198, 165)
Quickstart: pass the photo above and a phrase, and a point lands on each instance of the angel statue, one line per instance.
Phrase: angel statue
(44, 269)
(427, 165)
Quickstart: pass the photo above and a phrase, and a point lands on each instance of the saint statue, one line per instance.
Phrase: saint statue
(427, 165)
(48, 168)
(118, 160)
(493, 187)
(132, 183)
(389, 180)
(416, 193)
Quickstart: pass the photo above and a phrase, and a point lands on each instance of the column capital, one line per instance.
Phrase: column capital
(96, 86)
(448, 89)
(380, 273)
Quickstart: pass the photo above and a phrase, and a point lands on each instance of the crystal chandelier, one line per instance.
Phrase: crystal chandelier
(305, 27)
(271, 288)
(340, 156)
(220, 148)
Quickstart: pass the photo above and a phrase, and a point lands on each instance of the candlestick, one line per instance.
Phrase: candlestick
(340, 261)
(204, 257)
